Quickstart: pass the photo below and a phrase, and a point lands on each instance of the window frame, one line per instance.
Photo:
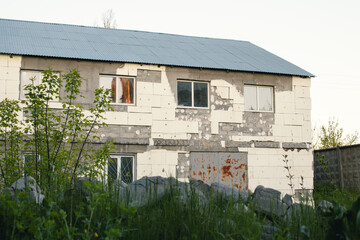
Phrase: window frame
(257, 98)
(192, 93)
(40, 81)
(118, 170)
(117, 80)
(23, 158)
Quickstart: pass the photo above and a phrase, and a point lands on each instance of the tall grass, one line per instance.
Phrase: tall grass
(332, 193)
(104, 214)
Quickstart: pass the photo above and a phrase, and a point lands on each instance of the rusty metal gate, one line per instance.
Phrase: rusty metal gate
(226, 168)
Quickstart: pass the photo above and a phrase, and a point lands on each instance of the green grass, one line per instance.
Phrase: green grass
(106, 216)
(332, 193)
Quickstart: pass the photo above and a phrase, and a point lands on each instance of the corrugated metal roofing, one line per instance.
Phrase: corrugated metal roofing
(115, 45)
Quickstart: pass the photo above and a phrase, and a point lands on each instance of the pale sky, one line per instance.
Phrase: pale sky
(320, 36)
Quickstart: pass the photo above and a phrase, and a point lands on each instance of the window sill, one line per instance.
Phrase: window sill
(185, 107)
(258, 111)
(122, 104)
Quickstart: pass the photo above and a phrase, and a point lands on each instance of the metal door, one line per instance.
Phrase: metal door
(226, 168)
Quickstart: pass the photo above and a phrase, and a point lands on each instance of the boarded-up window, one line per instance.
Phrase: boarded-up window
(123, 88)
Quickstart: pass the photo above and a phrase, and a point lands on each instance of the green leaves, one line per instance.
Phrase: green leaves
(344, 224)
(331, 136)
(10, 139)
(56, 135)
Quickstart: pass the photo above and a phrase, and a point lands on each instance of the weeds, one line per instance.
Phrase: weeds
(289, 175)
(106, 215)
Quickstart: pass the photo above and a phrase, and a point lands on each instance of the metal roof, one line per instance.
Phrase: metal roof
(114, 45)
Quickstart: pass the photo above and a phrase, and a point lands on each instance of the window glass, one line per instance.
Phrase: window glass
(184, 94)
(29, 158)
(200, 94)
(192, 94)
(250, 97)
(29, 162)
(258, 98)
(122, 89)
(112, 169)
(126, 90)
(109, 83)
(127, 169)
(265, 99)
(121, 167)
(26, 77)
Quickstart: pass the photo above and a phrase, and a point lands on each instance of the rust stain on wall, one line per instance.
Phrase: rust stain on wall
(226, 168)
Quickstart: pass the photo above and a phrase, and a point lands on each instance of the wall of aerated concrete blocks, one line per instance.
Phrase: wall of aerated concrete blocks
(163, 135)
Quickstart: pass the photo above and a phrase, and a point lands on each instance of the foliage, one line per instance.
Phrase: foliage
(10, 140)
(344, 224)
(101, 216)
(108, 19)
(105, 215)
(289, 175)
(332, 193)
(332, 136)
(54, 139)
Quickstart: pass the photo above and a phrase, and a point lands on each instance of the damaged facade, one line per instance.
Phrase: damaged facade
(214, 123)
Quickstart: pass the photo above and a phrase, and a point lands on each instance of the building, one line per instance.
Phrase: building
(212, 109)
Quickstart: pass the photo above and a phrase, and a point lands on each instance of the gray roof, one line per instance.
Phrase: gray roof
(115, 45)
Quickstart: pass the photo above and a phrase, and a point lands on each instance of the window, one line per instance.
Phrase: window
(29, 159)
(192, 94)
(121, 167)
(258, 98)
(122, 88)
(26, 77)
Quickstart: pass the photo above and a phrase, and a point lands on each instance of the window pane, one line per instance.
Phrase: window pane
(127, 169)
(265, 98)
(30, 162)
(126, 90)
(200, 94)
(112, 169)
(109, 83)
(26, 77)
(184, 93)
(250, 98)
(29, 158)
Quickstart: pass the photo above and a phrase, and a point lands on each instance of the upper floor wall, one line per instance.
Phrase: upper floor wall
(155, 117)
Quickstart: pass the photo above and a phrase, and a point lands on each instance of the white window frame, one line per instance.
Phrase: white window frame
(192, 94)
(40, 81)
(118, 77)
(118, 165)
(257, 97)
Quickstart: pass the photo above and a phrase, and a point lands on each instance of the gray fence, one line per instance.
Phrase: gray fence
(340, 166)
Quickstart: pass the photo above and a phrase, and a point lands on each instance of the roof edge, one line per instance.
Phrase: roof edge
(161, 64)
